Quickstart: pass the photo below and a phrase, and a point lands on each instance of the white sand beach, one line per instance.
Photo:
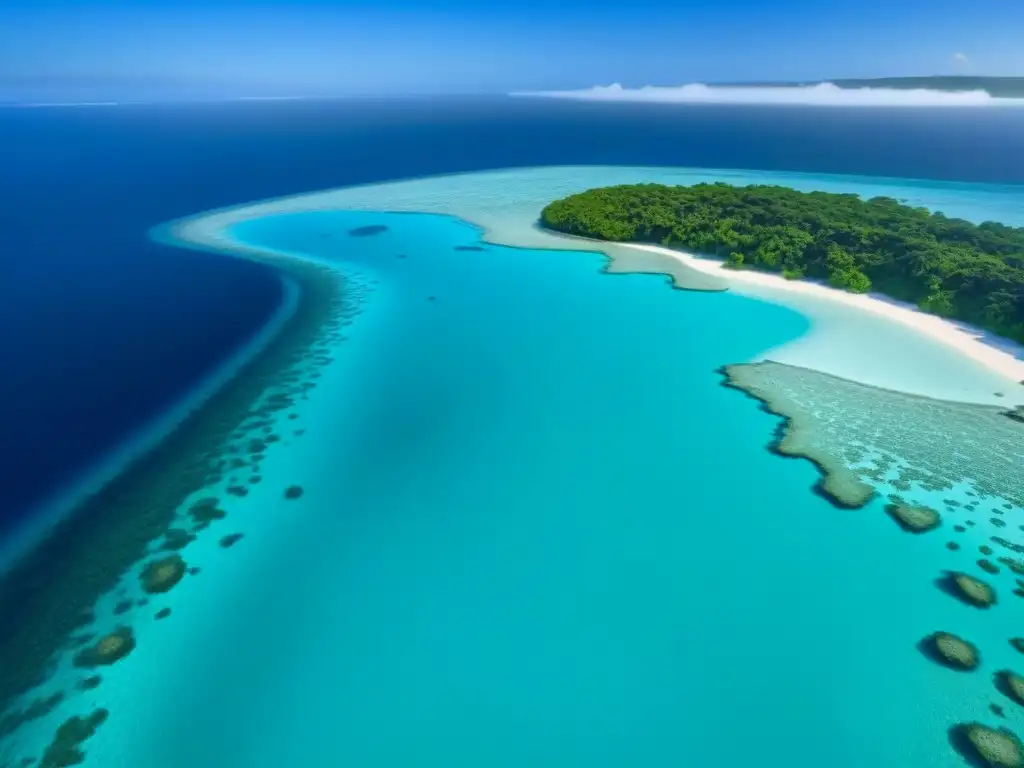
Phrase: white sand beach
(866, 338)
(1000, 356)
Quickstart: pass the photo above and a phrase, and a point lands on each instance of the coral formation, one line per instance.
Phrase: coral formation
(914, 519)
(107, 650)
(997, 748)
(951, 651)
(161, 575)
(970, 590)
(177, 538)
(1011, 685)
(90, 683)
(206, 510)
(368, 231)
(66, 748)
(11, 721)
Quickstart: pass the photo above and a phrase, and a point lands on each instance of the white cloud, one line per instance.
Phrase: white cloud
(822, 94)
(961, 58)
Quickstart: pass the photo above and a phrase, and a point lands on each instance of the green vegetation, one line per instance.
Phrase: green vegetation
(948, 267)
(1000, 87)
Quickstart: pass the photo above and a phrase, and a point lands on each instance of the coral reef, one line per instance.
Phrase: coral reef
(176, 539)
(970, 590)
(368, 231)
(107, 650)
(206, 510)
(914, 519)
(89, 683)
(951, 651)
(1011, 685)
(11, 721)
(66, 748)
(869, 435)
(161, 575)
(996, 748)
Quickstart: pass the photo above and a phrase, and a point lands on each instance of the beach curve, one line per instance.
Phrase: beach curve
(1003, 358)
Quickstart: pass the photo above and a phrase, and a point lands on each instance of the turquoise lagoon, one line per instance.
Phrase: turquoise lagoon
(536, 530)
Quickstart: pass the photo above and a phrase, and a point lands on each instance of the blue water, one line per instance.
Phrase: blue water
(536, 531)
(100, 330)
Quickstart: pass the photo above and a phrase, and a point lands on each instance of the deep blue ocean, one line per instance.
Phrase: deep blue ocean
(101, 329)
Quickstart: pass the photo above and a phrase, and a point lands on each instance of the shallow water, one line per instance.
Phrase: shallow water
(535, 530)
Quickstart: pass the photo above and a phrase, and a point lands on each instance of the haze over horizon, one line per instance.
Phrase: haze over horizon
(56, 49)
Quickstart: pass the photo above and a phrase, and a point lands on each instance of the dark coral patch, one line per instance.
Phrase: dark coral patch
(161, 575)
(206, 511)
(176, 538)
(10, 722)
(90, 683)
(985, 747)
(950, 651)
(107, 650)
(967, 589)
(123, 607)
(368, 231)
(66, 748)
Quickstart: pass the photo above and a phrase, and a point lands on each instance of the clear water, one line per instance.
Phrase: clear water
(537, 531)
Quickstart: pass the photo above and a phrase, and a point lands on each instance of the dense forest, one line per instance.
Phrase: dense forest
(945, 266)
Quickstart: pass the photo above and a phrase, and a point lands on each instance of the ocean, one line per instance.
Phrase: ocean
(101, 330)
(533, 526)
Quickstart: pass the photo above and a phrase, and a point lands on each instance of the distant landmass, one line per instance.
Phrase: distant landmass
(1000, 87)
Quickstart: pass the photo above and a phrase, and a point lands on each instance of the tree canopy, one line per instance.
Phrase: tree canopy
(946, 266)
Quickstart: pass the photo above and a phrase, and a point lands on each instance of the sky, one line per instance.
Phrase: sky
(338, 47)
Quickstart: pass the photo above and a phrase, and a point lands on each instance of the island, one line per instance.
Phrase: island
(997, 86)
(945, 266)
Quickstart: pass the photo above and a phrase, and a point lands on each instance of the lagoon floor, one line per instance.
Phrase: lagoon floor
(535, 529)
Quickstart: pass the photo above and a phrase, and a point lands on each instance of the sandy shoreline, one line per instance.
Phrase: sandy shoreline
(831, 345)
(870, 339)
(1002, 359)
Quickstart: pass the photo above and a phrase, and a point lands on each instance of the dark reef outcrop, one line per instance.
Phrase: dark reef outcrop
(176, 539)
(206, 510)
(968, 589)
(368, 231)
(951, 651)
(66, 748)
(161, 575)
(914, 519)
(795, 438)
(1011, 685)
(987, 747)
(107, 650)
(38, 708)
(53, 591)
